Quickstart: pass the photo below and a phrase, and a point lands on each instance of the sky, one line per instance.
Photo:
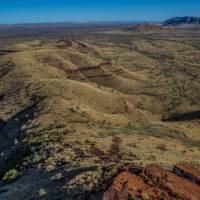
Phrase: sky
(31, 11)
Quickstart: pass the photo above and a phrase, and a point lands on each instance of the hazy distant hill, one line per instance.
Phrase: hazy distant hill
(182, 20)
(146, 27)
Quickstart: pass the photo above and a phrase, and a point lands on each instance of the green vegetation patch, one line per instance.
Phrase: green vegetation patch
(11, 175)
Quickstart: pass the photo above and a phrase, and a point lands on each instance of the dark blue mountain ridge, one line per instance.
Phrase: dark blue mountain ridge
(176, 21)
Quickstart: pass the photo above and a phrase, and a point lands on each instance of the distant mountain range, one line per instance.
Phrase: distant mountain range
(176, 21)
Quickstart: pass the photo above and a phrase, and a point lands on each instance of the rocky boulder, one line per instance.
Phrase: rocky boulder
(64, 43)
(155, 183)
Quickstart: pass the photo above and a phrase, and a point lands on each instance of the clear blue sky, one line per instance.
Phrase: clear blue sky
(18, 11)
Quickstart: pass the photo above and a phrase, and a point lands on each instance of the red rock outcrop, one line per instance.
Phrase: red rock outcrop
(116, 195)
(136, 187)
(155, 183)
(188, 172)
(175, 186)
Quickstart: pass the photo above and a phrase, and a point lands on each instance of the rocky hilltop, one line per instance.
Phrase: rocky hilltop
(154, 182)
(176, 21)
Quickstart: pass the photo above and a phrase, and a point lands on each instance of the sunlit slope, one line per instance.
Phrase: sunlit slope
(102, 100)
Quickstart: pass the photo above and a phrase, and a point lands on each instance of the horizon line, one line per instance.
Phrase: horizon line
(83, 22)
(91, 22)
